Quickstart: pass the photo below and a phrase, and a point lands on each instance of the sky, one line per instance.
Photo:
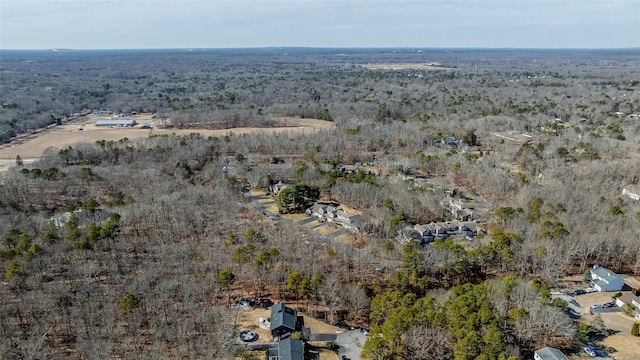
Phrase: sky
(154, 24)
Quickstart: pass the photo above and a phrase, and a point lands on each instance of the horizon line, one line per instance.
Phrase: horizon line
(329, 48)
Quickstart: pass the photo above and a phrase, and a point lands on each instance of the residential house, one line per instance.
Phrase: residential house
(277, 188)
(451, 141)
(549, 353)
(468, 229)
(284, 320)
(409, 234)
(322, 211)
(462, 210)
(603, 279)
(439, 230)
(629, 298)
(451, 227)
(348, 220)
(331, 213)
(287, 349)
(427, 232)
(349, 169)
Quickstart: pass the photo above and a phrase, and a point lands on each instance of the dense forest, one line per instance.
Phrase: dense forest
(158, 234)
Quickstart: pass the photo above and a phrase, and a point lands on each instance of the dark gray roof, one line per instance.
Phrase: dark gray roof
(283, 316)
(291, 349)
(549, 353)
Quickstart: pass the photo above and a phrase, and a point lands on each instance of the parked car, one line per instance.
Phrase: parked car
(590, 290)
(145, 126)
(580, 292)
(590, 351)
(597, 306)
(609, 304)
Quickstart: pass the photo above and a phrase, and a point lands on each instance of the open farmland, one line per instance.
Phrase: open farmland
(34, 145)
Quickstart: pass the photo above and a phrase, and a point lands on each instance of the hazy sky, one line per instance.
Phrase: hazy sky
(113, 24)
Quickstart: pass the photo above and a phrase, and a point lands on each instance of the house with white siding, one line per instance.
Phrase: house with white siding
(603, 279)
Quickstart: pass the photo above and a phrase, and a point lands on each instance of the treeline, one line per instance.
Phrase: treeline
(218, 89)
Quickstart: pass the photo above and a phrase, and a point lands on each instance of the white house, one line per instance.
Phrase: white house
(549, 353)
(603, 279)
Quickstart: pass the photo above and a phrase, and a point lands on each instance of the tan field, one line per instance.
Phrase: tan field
(405, 66)
(33, 146)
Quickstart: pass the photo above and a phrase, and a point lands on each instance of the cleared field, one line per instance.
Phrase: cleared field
(403, 66)
(33, 146)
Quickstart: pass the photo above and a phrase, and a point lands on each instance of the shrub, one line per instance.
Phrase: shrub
(128, 303)
(14, 270)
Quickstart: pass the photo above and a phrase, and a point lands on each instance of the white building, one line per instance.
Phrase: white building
(603, 279)
(549, 353)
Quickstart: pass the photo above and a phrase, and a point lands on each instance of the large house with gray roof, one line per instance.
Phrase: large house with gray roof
(284, 320)
(603, 279)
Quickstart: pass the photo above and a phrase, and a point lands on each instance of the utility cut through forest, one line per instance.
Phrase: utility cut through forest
(444, 206)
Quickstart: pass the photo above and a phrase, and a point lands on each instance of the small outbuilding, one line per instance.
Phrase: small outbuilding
(603, 279)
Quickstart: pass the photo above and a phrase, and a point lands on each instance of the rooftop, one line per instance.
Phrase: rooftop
(283, 316)
(549, 353)
(605, 274)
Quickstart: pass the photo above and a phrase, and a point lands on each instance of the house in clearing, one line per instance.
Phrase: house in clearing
(287, 349)
(603, 279)
(348, 220)
(284, 320)
(462, 210)
(549, 353)
(277, 188)
(323, 211)
(118, 123)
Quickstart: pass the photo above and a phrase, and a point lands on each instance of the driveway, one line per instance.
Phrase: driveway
(572, 301)
(351, 343)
